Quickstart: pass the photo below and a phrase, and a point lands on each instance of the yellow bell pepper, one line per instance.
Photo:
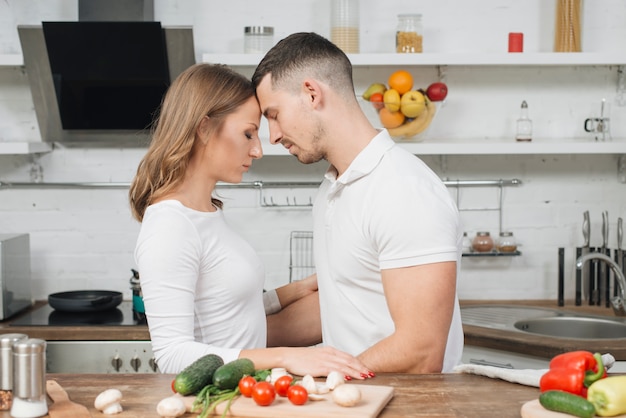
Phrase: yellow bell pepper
(608, 396)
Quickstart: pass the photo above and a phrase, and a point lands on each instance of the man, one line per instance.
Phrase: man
(387, 234)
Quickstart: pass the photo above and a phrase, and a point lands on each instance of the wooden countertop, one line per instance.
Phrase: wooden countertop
(540, 345)
(536, 345)
(442, 395)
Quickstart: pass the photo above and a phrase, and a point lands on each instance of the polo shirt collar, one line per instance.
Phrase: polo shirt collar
(365, 161)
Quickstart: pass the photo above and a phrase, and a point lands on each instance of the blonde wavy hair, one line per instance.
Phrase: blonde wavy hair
(213, 90)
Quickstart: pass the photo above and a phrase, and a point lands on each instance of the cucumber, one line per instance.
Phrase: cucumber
(229, 375)
(560, 401)
(197, 375)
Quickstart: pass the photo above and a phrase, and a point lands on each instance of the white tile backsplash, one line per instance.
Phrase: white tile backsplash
(85, 238)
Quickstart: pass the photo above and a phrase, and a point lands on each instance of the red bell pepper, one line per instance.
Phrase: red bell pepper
(573, 372)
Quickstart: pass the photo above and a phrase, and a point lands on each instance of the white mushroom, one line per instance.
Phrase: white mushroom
(276, 373)
(334, 379)
(171, 407)
(109, 402)
(346, 395)
(309, 384)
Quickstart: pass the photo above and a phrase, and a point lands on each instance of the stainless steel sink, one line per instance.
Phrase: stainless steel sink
(544, 321)
(573, 327)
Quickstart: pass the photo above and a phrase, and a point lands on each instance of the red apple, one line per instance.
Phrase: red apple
(436, 92)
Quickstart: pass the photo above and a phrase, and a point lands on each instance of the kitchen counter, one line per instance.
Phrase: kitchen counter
(525, 343)
(443, 395)
(541, 345)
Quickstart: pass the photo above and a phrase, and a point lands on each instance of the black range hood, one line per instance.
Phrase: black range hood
(101, 82)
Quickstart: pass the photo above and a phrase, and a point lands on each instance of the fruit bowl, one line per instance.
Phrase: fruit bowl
(413, 129)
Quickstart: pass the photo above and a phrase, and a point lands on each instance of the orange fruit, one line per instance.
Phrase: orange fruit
(390, 119)
(401, 80)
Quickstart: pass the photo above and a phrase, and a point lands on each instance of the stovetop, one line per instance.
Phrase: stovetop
(123, 314)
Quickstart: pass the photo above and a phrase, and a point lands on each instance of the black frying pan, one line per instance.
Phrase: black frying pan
(85, 300)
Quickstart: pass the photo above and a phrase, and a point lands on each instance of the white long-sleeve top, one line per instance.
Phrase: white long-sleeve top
(202, 286)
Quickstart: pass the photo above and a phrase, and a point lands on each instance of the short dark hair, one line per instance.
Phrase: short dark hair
(310, 54)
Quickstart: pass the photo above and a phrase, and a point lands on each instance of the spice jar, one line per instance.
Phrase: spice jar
(467, 243)
(506, 243)
(258, 39)
(29, 379)
(409, 33)
(482, 242)
(344, 25)
(6, 368)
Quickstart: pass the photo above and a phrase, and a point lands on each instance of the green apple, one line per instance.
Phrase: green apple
(412, 103)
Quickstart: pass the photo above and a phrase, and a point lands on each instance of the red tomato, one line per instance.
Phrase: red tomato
(282, 385)
(263, 393)
(377, 100)
(246, 384)
(297, 395)
(173, 381)
(437, 91)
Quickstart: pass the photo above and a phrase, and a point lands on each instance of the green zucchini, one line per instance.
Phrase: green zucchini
(229, 375)
(560, 401)
(197, 375)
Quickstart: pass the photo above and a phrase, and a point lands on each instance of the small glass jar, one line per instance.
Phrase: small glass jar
(258, 39)
(344, 25)
(482, 242)
(467, 243)
(506, 243)
(409, 33)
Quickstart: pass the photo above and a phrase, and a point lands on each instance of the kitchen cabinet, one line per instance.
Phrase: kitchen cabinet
(442, 146)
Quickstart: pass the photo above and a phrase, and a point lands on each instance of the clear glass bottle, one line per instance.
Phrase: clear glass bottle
(506, 243)
(344, 25)
(409, 33)
(482, 242)
(524, 131)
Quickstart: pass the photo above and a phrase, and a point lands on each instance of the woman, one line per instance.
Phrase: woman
(202, 283)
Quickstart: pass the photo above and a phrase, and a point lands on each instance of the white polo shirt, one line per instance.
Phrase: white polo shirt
(388, 210)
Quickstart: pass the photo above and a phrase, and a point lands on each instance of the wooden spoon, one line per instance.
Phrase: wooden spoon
(62, 406)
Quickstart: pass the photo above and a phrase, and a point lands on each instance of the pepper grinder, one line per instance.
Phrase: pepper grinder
(6, 367)
(29, 379)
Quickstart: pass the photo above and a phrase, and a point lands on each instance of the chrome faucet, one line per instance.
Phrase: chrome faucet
(617, 301)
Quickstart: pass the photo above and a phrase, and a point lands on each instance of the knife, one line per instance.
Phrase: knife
(620, 253)
(587, 285)
(604, 279)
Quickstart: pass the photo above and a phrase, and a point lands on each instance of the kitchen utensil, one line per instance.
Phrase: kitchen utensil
(586, 273)
(578, 293)
(619, 253)
(62, 407)
(373, 400)
(605, 273)
(301, 262)
(561, 299)
(85, 300)
(533, 409)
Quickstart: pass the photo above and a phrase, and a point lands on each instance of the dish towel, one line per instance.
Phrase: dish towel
(528, 377)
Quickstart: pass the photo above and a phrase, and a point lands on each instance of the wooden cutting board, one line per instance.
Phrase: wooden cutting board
(62, 407)
(533, 409)
(373, 400)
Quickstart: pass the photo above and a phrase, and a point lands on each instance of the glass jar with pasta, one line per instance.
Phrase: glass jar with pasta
(409, 33)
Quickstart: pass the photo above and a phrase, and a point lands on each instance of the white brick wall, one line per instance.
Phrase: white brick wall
(84, 238)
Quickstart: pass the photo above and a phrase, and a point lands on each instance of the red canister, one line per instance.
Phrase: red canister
(516, 42)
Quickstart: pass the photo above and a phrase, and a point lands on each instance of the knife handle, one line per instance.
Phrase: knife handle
(579, 280)
(561, 299)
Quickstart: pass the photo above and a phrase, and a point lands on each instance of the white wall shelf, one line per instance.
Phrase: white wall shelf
(11, 60)
(461, 59)
(23, 147)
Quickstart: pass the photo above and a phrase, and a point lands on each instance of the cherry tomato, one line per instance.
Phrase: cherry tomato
(263, 393)
(377, 100)
(246, 384)
(173, 382)
(282, 385)
(297, 395)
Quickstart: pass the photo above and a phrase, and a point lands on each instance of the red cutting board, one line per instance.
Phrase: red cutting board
(373, 400)
(533, 409)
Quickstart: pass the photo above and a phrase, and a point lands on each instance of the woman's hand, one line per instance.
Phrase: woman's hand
(320, 361)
